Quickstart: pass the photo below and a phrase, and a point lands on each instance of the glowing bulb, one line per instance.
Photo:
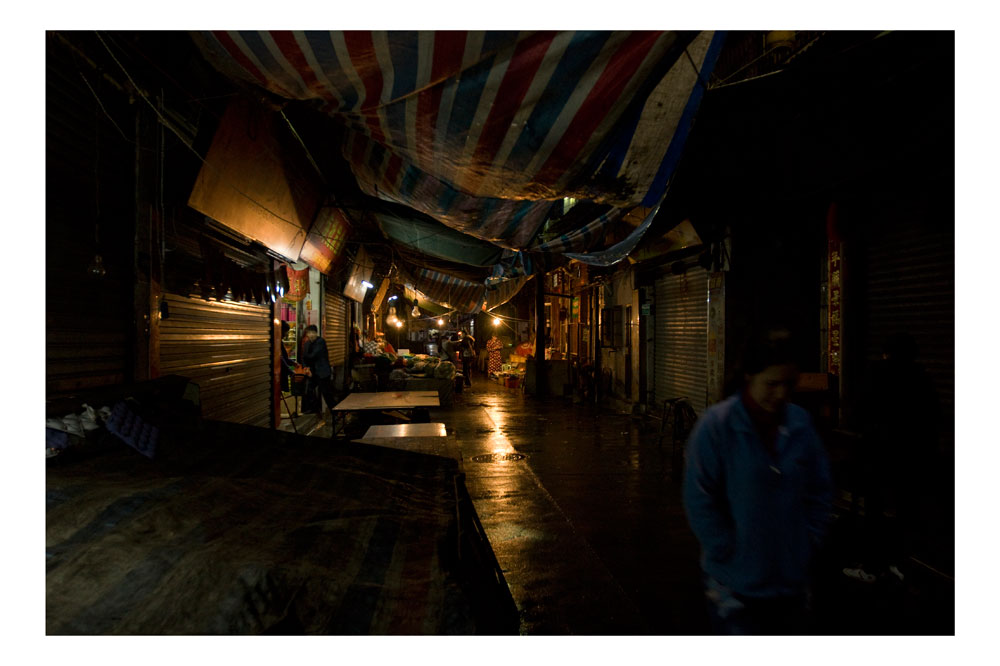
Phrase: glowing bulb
(366, 284)
(440, 322)
(496, 322)
(399, 324)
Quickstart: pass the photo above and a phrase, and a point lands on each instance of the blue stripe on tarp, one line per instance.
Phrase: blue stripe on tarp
(56, 496)
(376, 156)
(403, 55)
(447, 198)
(579, 239)
(619, 251)
(581, 52)
(332, 68)
(403, 51)
(106, 613)
(463, 110)
(518, 216)
(619, 148)
(395, 117)
(411, 176)
(271, 68)
(108, 520)
(357, 606)
(486, 208)
(673, 155)
(494, 40)
(612, 150)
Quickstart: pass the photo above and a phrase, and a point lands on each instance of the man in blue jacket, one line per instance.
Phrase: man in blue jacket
(757, 493)
(317, 359)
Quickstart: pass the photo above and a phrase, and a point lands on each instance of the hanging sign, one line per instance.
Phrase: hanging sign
(298, 284)
(835, 305)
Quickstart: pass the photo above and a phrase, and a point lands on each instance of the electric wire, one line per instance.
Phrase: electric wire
(169, 125)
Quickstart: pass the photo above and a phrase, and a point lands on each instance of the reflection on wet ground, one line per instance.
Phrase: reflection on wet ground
(588, 527)
(585, 524)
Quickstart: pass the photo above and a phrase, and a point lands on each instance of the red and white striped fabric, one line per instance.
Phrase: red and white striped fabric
(484, 130)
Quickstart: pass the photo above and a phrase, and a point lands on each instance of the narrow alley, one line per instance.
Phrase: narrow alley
(580, 510)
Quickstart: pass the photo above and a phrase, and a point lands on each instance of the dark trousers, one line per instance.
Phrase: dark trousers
(467, 370)
(325, 387)
(735, 614)
(890, 541)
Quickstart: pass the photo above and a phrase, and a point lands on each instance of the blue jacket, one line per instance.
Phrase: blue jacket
(758, 517)
(317, 358)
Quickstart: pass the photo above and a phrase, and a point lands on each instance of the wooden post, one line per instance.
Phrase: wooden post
(276, 362)
(541, 380)
(148, 240)
(596, 330)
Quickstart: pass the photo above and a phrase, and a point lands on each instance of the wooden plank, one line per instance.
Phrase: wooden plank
(406, 430)
(255, 184)
(388, 400)
(445, 447)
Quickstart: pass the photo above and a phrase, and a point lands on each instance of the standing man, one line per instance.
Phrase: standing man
(757, 493)
(317, 359)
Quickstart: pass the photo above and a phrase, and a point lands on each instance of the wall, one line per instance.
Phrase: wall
(778, 259)
(620, 364)
(89, 169)
(311, 303)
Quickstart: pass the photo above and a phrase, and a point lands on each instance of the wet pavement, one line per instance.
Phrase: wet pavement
(588, 527)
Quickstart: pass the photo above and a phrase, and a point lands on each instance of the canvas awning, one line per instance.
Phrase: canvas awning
(487, 131)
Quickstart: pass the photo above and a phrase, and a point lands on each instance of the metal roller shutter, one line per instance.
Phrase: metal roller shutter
(681, 342)
(335, 324)
(225, 348)
(911, 289)
(89, 330)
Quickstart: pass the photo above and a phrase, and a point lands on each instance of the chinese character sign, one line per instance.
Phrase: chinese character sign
(835, 305)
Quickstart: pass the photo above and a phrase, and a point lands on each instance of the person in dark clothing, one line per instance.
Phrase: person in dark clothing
(900, 416)
(758, 494)
(317, 359)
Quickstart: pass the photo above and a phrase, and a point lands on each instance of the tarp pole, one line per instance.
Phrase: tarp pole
(540, 379)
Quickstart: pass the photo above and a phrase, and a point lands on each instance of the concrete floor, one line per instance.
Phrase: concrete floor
(588, 527)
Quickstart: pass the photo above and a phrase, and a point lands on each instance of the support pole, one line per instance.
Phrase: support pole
(541, 380)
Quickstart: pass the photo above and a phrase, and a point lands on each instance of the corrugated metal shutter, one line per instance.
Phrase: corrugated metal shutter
(911, 289)
(225, 348)
(681, 342)
(335, 324)
(89, 328)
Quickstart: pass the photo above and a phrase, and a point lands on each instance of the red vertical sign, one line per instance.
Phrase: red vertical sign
(836, 302)
(835, 291)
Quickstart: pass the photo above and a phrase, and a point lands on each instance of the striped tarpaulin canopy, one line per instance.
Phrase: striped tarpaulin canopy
(484, 131)
(504, 291)
(449, 291)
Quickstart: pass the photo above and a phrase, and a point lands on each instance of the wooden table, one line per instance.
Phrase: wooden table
(381, 401)
(427, 438)
(406, 430)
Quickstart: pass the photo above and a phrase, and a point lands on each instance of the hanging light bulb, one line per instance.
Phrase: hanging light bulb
(391, 319)
(399, 324)
(415, 312)
(440, 322)
(283, 285)
(496, 322)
